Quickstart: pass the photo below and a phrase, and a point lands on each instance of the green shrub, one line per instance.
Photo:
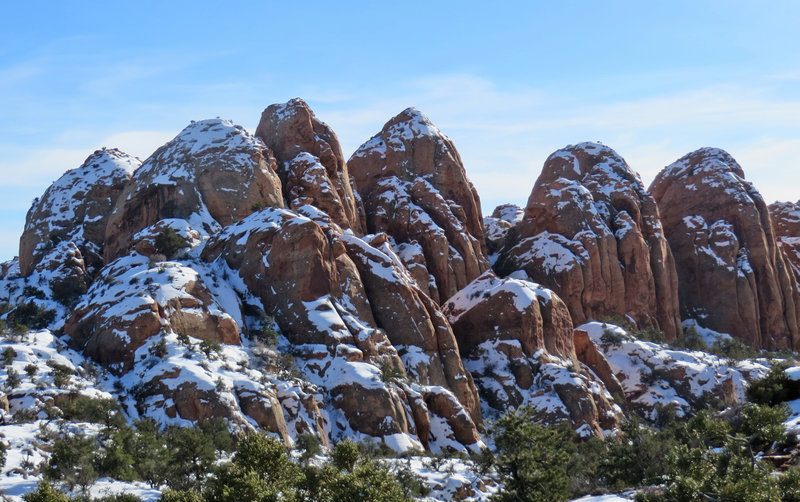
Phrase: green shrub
(210, 346)
(345, 455)
(72, 461)
(613, 338)
(309, 444)
(390, 372)
(61, 373)
(168, 242)
(8, 356)
(181, 496)
(30, 315)
(68, 290)
(45, 493)
(775, 388)
(3, 449)
(12, 378)
(31, 369)
(33, 292)
(531, 460)
(91, 409)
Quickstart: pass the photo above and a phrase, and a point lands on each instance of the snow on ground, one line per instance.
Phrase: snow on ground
(448, 479)
(654, 374)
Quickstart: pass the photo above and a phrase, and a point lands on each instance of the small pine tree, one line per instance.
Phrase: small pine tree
(45, 493)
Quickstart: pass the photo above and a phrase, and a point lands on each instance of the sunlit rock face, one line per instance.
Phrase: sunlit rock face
(733, 275)
(592, 233)
(415, 189)
(310, 162)
(212, 174)
(76, 209)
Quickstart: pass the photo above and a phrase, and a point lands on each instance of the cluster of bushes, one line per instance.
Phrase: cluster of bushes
(28, 315)
(705, 458)
(177, 456)
(187, 461)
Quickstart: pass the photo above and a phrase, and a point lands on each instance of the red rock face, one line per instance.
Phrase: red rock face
(786, 221)
(212, 174)
(134, 301)
(592, 233)
(310, 162)
(76, 208)
(733, 276)
(517, 341)
(347, 307)
(415, 189)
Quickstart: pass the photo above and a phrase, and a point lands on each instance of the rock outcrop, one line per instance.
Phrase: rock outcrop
(212, 174)
(310, 162)
(733, 276)
(497, 227)
(592, 233)
(517, 341)
(351, 314)
(786, 221)
(76, 209)
(135, 300)
(415, 189)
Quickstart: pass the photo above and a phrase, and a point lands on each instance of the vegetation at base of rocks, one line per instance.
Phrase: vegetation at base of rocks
(29, 315)
(722, 457)
(68, 290)
(168, 242)
(262, 470)
(45, 492)
(390, 372)
(187, 461)
(180, 457)
(61, 373)
(774, 388)
(91, 409)
(2, 454)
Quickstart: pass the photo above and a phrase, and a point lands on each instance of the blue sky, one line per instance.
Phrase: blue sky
(509, 83)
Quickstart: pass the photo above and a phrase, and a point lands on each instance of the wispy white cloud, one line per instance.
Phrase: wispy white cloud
(504, 135)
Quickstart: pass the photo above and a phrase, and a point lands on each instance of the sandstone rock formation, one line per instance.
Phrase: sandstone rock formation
(786, 222)
(347, 307)
(212, 174)
(497, 227)
(310, 162)
(135, 300)
(415, 189)
(592, 233)
(517, 340)
(76, 209)
(733, 276)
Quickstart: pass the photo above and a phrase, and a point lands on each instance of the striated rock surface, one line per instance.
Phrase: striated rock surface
(517, 340)
(415, 189)
(76, 209)
(592, 233)
(721, 235)
(786, 221)
(310, 162)
(212, 174)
